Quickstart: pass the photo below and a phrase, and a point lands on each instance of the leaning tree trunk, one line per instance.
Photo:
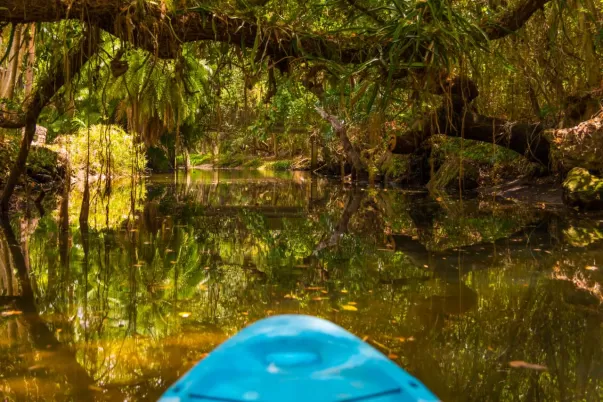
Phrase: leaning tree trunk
(351, 153)
(19, 167)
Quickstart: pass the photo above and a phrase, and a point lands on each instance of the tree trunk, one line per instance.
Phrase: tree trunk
(13, 71)
(31, 58)
(187, 160)
(19, 167)
(314, 153)
(592, 66)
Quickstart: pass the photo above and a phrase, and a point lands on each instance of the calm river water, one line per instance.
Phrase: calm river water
(458, 292)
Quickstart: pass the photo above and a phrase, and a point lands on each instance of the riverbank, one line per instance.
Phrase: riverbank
(209, 162)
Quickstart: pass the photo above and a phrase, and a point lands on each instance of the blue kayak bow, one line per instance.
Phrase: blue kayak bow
(296, 358)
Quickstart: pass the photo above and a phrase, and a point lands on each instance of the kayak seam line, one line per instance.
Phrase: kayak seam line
(371, 396)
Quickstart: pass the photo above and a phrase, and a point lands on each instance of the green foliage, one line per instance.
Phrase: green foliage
(280, 165)
(196, 159)
(231, 160)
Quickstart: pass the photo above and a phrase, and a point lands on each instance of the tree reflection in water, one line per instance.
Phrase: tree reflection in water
(452, 291)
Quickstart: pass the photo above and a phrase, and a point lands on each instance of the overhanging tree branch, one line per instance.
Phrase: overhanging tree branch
(510, 20)
(151, 28)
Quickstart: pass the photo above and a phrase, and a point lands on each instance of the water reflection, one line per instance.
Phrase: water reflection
(452, 290)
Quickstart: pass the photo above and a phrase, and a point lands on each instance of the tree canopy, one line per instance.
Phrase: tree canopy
(189, 75)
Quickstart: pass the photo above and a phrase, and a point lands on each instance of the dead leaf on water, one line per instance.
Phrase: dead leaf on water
(410, 339)
(401, 339)
(352, 303)
(344, 291)
(324, 292)
(349, 308)
(319, 298)
(392, 356)
(314, 288)
(184, 314)
(531, 366)
(365, 338)
(591, 268)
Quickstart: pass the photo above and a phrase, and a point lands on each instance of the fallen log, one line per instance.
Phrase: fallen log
(526, 139)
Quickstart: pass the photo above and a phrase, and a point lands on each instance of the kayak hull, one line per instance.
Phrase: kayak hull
(296, 358)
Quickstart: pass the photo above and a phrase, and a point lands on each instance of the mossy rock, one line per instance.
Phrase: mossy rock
(582, 235)
(43, 165)
(583, 190)
(448, 175)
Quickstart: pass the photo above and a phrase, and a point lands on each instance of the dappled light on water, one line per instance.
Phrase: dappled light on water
(480, 301)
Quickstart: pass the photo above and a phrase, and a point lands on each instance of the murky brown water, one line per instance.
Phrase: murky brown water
(452, 290)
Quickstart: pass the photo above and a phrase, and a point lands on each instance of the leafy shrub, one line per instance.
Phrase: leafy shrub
(108, 144)
(279, 165)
